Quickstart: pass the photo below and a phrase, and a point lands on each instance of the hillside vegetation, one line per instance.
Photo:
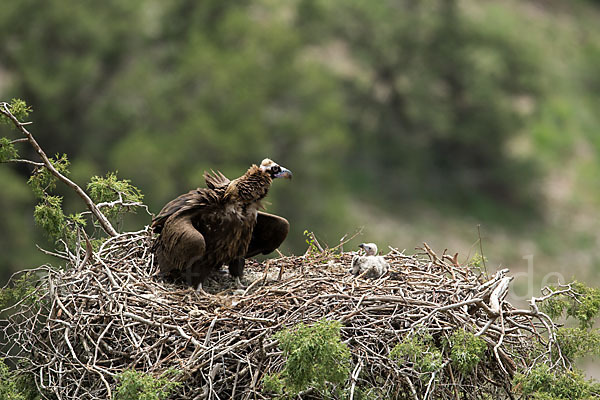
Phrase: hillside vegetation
(417, 121)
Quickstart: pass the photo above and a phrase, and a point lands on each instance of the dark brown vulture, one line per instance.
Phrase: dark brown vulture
(218, 225)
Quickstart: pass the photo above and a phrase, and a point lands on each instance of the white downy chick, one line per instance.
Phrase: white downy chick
(370, 265)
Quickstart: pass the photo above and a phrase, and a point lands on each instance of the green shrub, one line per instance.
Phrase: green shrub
(578, 342)
(16, 386)
(42, 181)
(585, 308)
(315, 358)
(419, 350)
(134, 385)
(466, 350)
(8, 150)
(19, 109)
(544, 384)
(20, 288)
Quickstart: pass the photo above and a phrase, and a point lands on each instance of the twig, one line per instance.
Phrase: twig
(481, 249)
(106, 225)
(23, 161)
(354, 378)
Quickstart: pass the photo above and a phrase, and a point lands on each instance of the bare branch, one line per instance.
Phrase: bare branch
(23, 161)
(104, 222)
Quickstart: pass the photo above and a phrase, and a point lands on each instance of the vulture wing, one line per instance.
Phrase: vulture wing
(180, 244)
(198, 198)
(268, 234)
(194, 199)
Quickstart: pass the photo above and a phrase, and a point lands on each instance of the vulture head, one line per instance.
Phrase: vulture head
(254, 185)
(369, 248)
(274, 170)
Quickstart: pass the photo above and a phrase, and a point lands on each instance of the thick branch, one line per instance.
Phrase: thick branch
(106, 225)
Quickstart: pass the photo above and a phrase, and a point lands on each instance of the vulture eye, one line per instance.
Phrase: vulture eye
(276, 169)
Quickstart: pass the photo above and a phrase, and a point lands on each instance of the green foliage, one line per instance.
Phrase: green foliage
(16, 387)
(420, 351)
(477, 262)
(587, 306)
(8, 150)
(313, 251)
(433, 95)
(21, 288)
(273, 383)
(466, 350)
(584, 308)
(109, 189)
(544, 384)
(134, 385)
(310, 241)
(48, 214)
(8, 387)
(19, 109)
(42, 181)
(578, 342)
(315, 358)
(555, 305)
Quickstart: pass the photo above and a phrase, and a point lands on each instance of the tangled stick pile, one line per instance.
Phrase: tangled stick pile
(107, 311)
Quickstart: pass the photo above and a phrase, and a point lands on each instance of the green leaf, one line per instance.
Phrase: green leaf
(7, 150)
(544, 383)
(42, 181)
(19, 289)
(588, 305)
(15, 385)
(49, 215)
(585, 308)
(19, 109)
(315, 358)
(135, 385)
(466, 350)
(419, 350)
(578, 342)
(110, 189)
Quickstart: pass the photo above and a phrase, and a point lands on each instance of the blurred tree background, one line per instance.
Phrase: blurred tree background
(418, 120)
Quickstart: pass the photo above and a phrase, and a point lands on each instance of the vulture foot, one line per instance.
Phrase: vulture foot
(200, 290)
(238, 283)
(236, 270)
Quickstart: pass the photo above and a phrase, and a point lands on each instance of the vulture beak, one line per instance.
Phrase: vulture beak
(362, 246)
(284, 173)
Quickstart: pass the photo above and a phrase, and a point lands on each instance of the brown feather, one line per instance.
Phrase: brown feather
(209, 227)
(216, 180)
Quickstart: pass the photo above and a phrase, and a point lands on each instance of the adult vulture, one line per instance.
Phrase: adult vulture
(218, 225)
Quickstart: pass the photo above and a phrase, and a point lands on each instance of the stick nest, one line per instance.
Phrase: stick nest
(108, 311)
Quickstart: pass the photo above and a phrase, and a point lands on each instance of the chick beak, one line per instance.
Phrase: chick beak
(284, 173)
